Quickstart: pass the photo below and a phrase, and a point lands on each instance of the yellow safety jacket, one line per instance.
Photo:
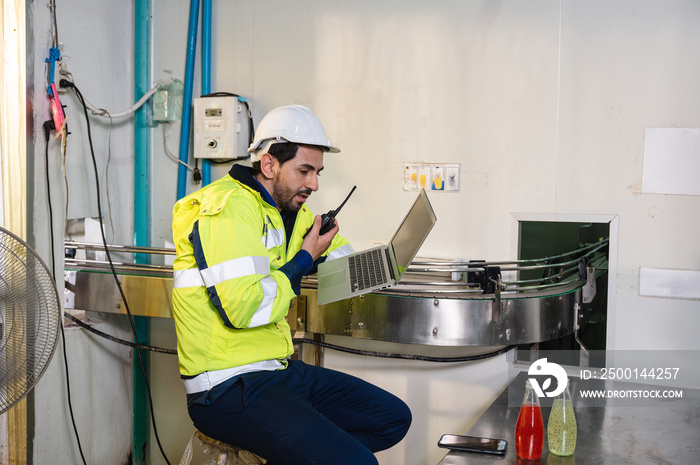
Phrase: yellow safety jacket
(230, 298)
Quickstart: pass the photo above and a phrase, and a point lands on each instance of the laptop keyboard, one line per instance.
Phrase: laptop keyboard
(366, 269)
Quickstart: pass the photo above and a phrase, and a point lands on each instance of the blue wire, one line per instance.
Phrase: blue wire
(54, 56)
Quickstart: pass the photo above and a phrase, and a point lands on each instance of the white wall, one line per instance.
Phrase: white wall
(626, 67)
(544, 104)
(97, 46)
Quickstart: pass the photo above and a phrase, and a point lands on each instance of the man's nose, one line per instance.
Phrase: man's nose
(312, 182)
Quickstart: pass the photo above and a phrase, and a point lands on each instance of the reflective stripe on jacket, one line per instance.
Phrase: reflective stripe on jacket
(229, 298)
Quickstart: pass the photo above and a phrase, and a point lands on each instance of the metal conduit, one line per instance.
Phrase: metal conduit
(117, 248)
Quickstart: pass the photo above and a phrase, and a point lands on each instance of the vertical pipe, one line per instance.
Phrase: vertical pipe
(206, 73)
(187, 99)
(142, 219)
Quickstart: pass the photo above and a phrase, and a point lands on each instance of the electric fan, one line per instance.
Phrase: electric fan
(30, 317)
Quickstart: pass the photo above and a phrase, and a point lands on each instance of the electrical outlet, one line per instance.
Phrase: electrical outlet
(61, 72)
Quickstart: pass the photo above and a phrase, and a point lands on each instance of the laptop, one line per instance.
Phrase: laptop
(380, 267)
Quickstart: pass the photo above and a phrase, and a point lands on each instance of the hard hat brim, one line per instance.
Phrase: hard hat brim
(257, 146)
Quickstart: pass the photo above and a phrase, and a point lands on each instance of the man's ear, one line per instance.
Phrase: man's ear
(267, 165)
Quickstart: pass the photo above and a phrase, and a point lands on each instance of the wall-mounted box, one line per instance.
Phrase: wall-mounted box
(220, 127)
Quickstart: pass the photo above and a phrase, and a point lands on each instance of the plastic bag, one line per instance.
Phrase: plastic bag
(217, 453)
(187, 455)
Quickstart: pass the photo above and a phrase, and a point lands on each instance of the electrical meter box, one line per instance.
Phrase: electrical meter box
(220, 127)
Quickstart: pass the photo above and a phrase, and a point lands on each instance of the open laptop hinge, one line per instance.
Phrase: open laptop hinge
(391, 268)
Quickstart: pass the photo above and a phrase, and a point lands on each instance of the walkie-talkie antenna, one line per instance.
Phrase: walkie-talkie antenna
(335, 212)
(327, 219)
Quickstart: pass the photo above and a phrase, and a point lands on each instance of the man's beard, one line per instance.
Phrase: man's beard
(285, 197)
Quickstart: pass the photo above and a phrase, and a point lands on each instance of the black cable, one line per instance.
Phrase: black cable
(426, 358)
(196, 172)
(116, 339)
(67, 83)
(48, 127)
(217, 161)
(326, 345)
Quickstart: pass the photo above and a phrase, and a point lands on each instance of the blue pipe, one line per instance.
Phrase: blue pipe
(142, 222)
(187, 100)
(206, 73)
(142, 179)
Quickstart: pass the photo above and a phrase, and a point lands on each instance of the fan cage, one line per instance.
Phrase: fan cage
(30, 319)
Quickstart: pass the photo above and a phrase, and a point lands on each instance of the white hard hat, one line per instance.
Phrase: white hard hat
(292, 123)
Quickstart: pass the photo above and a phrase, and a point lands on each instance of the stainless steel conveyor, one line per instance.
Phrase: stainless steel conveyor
(439, 302)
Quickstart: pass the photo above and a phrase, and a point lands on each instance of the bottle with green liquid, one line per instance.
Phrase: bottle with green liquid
(561, 428)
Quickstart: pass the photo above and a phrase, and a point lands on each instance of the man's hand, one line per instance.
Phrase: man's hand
(315, 244)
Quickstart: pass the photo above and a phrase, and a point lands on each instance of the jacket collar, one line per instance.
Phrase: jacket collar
(244, 175)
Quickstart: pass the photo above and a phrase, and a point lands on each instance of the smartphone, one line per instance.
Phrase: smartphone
(473, 444)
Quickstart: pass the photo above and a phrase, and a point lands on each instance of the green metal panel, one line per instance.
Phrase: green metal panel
(549, 238)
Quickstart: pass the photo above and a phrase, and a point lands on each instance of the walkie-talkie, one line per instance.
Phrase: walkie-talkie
(327, 222)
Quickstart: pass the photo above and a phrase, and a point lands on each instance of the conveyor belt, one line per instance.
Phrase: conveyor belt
(439, 302)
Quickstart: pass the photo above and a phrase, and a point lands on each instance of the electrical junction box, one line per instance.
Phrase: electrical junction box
(167, 102)
(220, 127)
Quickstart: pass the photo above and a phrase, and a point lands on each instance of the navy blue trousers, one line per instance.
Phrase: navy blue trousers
(303, 415)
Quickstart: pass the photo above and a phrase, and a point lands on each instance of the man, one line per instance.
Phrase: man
(242, 249)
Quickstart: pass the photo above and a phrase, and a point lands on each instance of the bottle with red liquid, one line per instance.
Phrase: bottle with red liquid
(529, 431)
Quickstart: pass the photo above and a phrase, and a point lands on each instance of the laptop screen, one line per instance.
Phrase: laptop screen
(412, 232)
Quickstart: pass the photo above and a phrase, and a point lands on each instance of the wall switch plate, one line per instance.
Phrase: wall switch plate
(442, 177)
(452, 177)
(410, 176)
